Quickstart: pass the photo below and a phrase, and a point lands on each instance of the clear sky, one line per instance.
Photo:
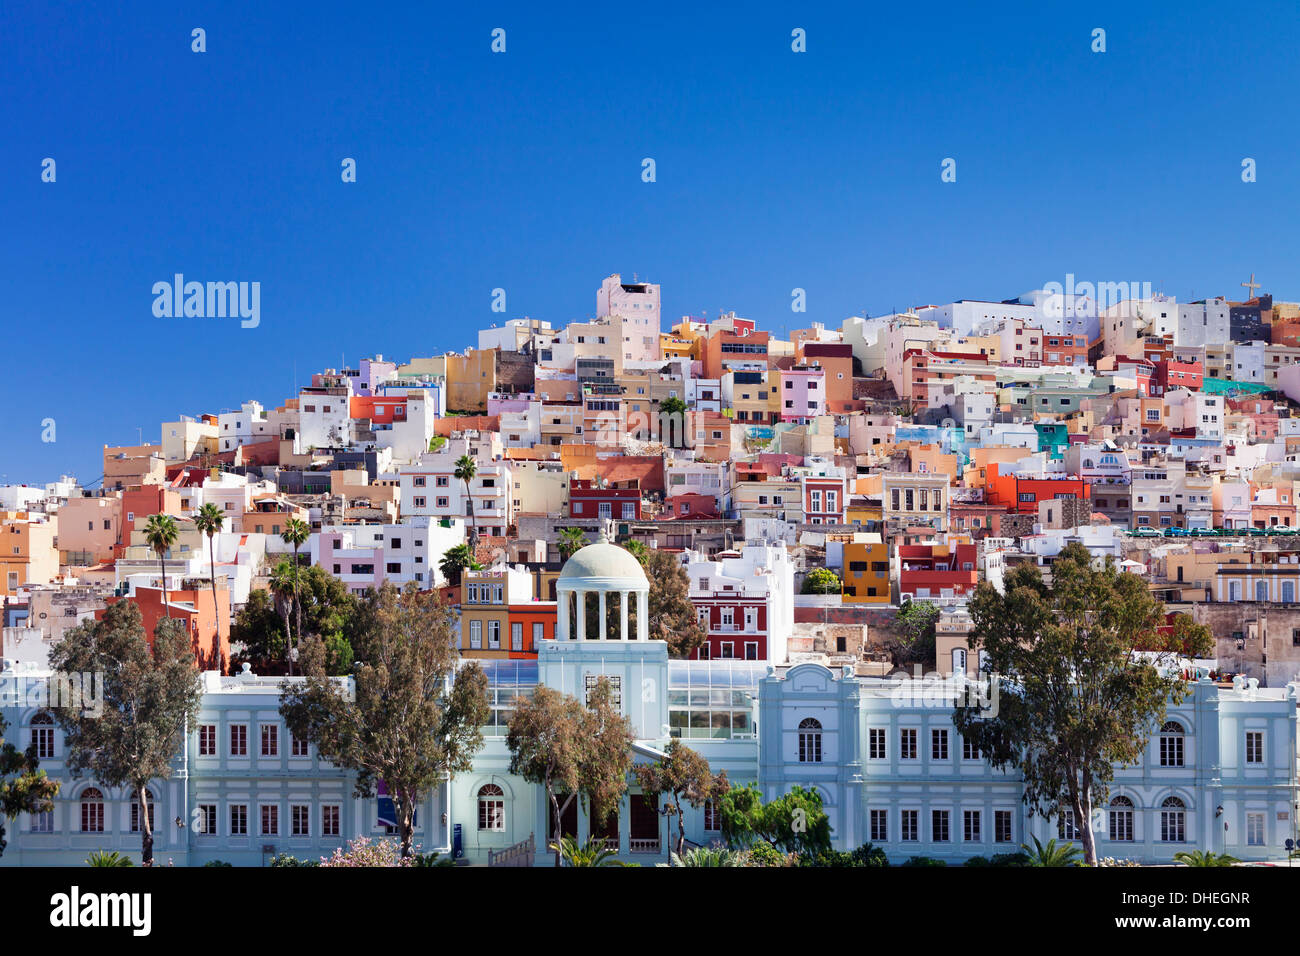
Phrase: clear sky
(523, 171)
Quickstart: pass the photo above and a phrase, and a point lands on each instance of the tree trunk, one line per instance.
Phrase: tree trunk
(555, 808)
(296, 599)
(146, 828)
(472, 532)
(406, 822)
(681, 824)
(1086, 835)
(162, 564)
(288, 640)
(216, 639)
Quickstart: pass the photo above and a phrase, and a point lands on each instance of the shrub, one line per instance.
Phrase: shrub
(978, 861)
(366, 852)
(218, 863)
(924, 861)
(1010, 859)
(285, 859)
(764, 854)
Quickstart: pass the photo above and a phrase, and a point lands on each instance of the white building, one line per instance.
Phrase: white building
(637, 303)
(745, 599)
(244, 427)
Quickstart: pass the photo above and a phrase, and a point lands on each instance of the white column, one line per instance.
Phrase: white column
(600, 618)
(582, 615)
(622, 614)
(562, 624)
(643, 616)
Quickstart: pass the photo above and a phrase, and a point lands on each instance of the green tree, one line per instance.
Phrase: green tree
(569, 541)
(1076, 694)
(417, 712)
(671, 615)
(24, 788)
(465, 471)
(151, 694)
(592, 853)
(329, 611)
(638, 550)
(913, 640)
(681, 776)
(1205, 858)
(672, 412)
(455, 561)
(568, 749)
(208, 520)
(160, 532)
(821, 581)
(794, 822)
(1051, 853)
(296, 532)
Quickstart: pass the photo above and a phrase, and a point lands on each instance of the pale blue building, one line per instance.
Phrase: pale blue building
(892, 770)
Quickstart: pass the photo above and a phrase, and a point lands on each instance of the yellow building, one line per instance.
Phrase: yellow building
(27, 551)
(866, 570)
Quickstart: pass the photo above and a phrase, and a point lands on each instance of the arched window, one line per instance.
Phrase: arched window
(136, 826)
(810, 741)
(43, 735)
(1173, 821)
(92, 811)
(1121, 819)
(491, 807)
(1171, 744)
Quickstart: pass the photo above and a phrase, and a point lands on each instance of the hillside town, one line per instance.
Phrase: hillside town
(816, 486)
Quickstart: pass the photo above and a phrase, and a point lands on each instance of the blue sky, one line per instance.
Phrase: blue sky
(522, 171)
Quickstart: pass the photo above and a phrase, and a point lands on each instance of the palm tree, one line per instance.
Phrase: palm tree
(161, 533)
(594, 852)
(296, 533)
(638, 550)
(1051, 853)
(570, 540)
(208, 520)
(709, 856)
(1205, 858)
(108, 858)
(455, 561)
(282, 588)
(465, 471)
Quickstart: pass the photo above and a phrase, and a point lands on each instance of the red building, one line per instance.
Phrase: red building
(824, 500)
(528, 625)
(1015, 493)
(936, 571)
(691, 505)
(1170, 374)
(620, 501)
(207, 624)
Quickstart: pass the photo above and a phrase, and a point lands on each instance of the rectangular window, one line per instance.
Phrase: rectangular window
(1121, 823)
(207, 819)
(207, 740)
(1065, 828)
(1254, 746)
(297, 746)
(329, 820)
(712, 819)
(299, 819)
(476, 635)
(270, 819)
(238, 819)
(270, 740)
(1254, 829)
(907, 743)
(969, 750)
(494, 635)
(239, 740)
(1002, 826)
(938, 745)
(876, 743)
(879, 826)
(516, 637)
(939, 826)
(539, 634)
(970, 826)
(910, 825)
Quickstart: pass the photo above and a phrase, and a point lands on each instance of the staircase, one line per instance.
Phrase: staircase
(520, 854)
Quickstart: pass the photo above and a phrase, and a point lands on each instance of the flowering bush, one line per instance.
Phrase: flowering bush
(366, 852)
(1111, 861)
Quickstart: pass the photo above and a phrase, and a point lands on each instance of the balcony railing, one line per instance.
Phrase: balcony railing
(643, 846)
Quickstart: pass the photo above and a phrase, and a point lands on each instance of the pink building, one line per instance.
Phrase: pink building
(803, 393)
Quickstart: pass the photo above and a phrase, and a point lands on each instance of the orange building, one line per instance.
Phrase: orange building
(27, 552)
(191, 604)
(725, 346)
(1015, 493)
(530, 624)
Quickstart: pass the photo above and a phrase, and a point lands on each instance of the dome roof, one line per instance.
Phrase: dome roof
(603, 560)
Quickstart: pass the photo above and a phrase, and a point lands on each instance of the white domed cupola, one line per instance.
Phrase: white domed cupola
(602, 569)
